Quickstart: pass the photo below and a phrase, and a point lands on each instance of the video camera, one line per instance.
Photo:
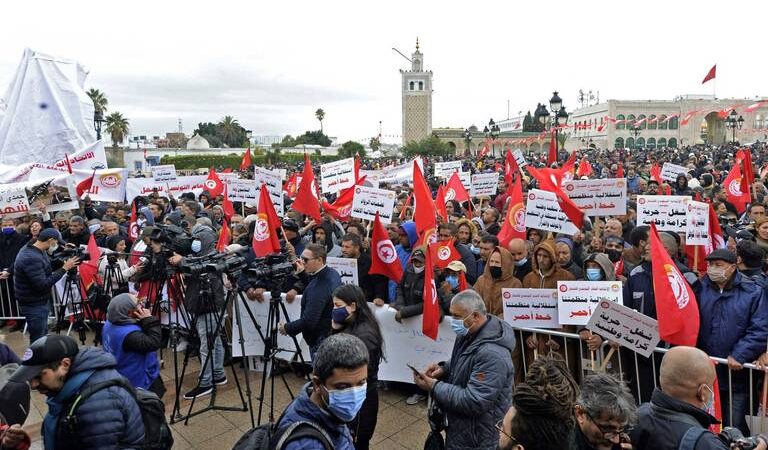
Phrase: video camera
(213, 263)
(733, 438)
(173, 240)
(270, 268)
(64, 253)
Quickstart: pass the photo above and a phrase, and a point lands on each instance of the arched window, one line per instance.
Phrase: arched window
(421, 85)
(619, 143)
(630, 143)
(642, 125)
(758, 122)
(630, 121)
(652, 122)
(620, 125)
(411, 85)
(673, 124)
(651, 143)
(662, 123)
(662, 142)
(640, 143)
(672, 142)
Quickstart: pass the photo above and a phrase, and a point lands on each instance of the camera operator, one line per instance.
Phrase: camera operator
(33, 278)
(115, 258)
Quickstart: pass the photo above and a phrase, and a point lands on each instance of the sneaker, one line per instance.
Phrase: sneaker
(220, 381)
(415, 399)
(199, 391)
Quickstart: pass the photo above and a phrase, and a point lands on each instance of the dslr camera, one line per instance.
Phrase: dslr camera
(271, 267)
(733, 438)
(213, 263)
(64, 253)
(173, 240)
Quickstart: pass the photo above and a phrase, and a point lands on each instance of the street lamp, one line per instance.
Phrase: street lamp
(98, 120)
(492, 131)
(468, 139)
(559, 116)
(733, 124)
(635, 131)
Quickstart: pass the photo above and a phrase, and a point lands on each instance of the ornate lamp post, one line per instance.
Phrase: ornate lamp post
(98, 121)
(559, 115)
(733, 123)
(468, 140)
(492, 131)
(634, 131)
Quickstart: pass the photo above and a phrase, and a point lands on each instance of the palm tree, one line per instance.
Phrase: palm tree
(99, 100)
(320, 114)
(117, 127)
(229, 128)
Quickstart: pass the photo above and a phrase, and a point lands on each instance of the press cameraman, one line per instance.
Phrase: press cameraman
(34, 276)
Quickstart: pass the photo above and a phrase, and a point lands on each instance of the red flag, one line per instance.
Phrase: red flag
(224, 237)
(384, 260)
(357, 167)
(688, 117)
(749, 175)
(463, 285)
(585, 168)
(430, 319)
(574, 213)
(733, 192)
(424, 214)
(455, 189)
(89, 270)
(710, 75)
(306, 198)
(514, 222)
(133, 226)
(226, 205)
(440, 203)
(246, 162)
(264, 236)
(510, 167)
(405, 206)
(755, 106)
(620, 171)
(341, 209)
(656, 174)
(552, 157)
(716, 236)
(213, 183)
(717, 407)
(483, 152)
(443, 253)
(85, 185)
(676, 307)
(291, 186)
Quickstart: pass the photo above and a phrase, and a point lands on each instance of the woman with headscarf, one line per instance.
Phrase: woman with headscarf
(120, 272)
(133, 335)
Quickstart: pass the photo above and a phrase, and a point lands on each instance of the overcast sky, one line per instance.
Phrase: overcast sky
(272, 64)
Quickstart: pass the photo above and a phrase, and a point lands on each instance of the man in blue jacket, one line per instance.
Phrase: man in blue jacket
(33, 278)
(109, 419)
(734, 325)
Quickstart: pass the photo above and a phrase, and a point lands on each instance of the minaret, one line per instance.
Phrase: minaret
(417, 99)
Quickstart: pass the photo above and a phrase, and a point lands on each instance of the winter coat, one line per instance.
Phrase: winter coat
(79, 239)
(490, 288)
(373, 285)
(304, 409)
(536, 279)
(468, 258)
(10, 246)
(410, 295)
(108, 419)
(606, 265)
(365, 332)
(316, 306)
(638, 290)
(33, 276)
(476, 388)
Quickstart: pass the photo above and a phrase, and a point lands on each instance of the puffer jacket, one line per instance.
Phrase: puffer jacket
(410, 295)
(304, 409)
(476, 388)
(490, 289)
(638, 290)
(33, 276)
(108, 419)
(536, 279)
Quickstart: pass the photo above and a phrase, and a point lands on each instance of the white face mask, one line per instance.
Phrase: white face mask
(418, 269)
(53, 248)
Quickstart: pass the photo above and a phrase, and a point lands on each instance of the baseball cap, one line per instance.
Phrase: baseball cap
(44, 351)
(457, 266)
(722, 254)
(418, 254)
(291, 225)
(51, 233)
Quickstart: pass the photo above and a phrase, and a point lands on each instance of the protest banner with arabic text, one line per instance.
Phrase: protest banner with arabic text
(669, 171)
(535, 308)
(484, 184)
(577, 300)
(669, 212)
(337, 175)
(347, 268)
(368, 201)
(542, 211)
(602, 197)
(625, 326)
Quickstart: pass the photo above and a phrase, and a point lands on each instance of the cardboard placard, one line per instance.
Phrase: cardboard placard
(337, 175)
(446, 169)
(347, 268)
(577, 300)
(602, 197)
(368, 201)
(484, 184)
(166, 172)
(669, 171)
(667, 211)
(625, 326)
(534, 308)
(697, 226)
(542, 211)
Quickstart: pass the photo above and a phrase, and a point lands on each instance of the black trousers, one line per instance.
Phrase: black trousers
(363, 426)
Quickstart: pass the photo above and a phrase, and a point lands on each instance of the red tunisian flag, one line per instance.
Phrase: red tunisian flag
(455, 189)
(424, 213)
(133, 226)
(224, 237)
(711, 74)
(620, 171)
(656, 173)
(430, 319)
(306, 197)
(514, 222)
(384, 260)
(440, 203)
(733, 192)
(510, 168)
(246, 162)
(341, 209)
(574, 213)
(264, 236)
(745, 155)
(552, 157)
(226, 205)
(85, 185)
(214, 184)
(585, 168)
(89, 270)
(443, 253)
(676, 307)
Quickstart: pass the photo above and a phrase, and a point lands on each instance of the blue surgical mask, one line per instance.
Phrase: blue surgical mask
(453, 280)
(196, 246)
(521, 263)
(9, 230)
(457, 325)
(594, 274)
(709, 406)
(346, 403)
(339, 315)
(475, 250)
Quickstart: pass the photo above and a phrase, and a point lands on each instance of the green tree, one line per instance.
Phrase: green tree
(528, 123)
(350, 148)
(374, 143)
(431, 146)
(117, 127)
(313, 138)
(99, 100)
(320, 114)
(230, 132)
(205, 129)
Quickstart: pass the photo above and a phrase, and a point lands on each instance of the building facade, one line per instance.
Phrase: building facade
(416, 88)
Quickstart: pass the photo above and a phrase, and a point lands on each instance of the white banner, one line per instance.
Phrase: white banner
(245, 191)
(519, 158)
(273, 180)
(697, 226)
(13, 199)
(484, 184)
(446, 169)
(536, 308)
(577, 300)
(625, 326)
(89, 158)
(108, 184)
(347, 268)
(542, 211)
(145, 186)
(253, 343)
(399, 174)
(602, 197)
(337, 175)
(165, 172)
(667, 211)
(669, 171)
(369, 201)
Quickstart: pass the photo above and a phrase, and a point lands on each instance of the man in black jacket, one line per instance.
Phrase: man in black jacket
(77, 233)
(374, 286)
(448, 232)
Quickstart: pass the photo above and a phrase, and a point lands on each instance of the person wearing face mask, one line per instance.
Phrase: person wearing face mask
(734, 325)
(333, 398)
(518, 248)
(474, 387)
(597, 267)
(613, 248)
(351, 315)
(497, 276)
(33, 278)
(681, 407)
(454, 281)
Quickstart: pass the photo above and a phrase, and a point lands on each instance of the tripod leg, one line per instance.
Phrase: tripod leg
(239, 296)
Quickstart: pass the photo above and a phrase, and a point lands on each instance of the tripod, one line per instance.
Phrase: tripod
(73, 300)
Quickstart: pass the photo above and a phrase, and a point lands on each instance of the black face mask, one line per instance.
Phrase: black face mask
(613, 255)
(495, 272)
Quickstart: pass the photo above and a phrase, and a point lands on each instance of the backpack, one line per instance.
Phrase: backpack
(265, 437)
(157, 433)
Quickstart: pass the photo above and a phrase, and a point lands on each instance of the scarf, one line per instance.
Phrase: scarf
(56, 405)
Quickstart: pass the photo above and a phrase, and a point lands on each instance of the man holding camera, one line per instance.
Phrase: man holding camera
(33, 278)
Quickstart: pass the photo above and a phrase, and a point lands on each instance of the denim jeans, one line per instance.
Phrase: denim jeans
(37, 320)
(206, 327)
(740, 409)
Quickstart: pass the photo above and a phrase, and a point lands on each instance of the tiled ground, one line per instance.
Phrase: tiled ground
(400, 426)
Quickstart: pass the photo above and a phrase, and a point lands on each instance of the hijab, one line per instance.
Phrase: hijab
(119, 310)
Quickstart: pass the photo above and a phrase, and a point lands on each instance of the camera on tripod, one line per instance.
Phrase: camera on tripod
(271, 267)
(64, 253)
(173, 240)
(733, 438)
(213, 263)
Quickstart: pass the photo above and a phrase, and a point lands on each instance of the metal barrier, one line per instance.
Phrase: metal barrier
(643, 377)
(9, 307)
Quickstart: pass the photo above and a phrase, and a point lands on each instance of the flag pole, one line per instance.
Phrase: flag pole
(592, 356)
(696, 260)
(607, 358)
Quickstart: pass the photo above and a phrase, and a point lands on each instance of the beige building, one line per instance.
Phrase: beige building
(417, 99)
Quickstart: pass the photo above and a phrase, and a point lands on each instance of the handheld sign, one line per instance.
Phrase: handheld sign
(669, 212)
(577, 300)
(367, 201)
(337, 175)
(542, 211)
(347, 268)
(165, 172)
(602, 197)
(697, 227)
(669, 171)
(625, 326)
(535, 308)
(484, 184)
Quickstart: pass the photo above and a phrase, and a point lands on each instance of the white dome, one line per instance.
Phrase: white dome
(198, 143)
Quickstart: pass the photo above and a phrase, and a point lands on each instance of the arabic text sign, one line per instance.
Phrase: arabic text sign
(519, 158)
(625, 326)
(667, 211)
(535, 308)
(400, 174)
(13, 199)
(368, 201)
(347, 268)
(669, 171)
(577, 300)
(484, 184)
(603, 197)
(446, 169)
(337, 175)
(542, 211)
(165, 172)
(144, 186)
(697, 227)
(273, 180)
(243, 191)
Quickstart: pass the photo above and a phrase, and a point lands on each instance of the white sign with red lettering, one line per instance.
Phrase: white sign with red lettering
(535, 308)
(368, 201)
(697, 226)
(625, 326)
(337, 175)
(602, 197)
(577, 300)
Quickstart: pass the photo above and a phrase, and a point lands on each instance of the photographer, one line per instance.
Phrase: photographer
(115, 258)
(33, 278)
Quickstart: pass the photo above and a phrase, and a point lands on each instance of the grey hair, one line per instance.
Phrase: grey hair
(469, 300)
(77, 219)
(339, 351)
(205, 221)
(604, 394)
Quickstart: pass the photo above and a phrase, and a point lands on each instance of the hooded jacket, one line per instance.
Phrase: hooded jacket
(476, 388)
(490, 288)
(536, 279)
(302, 408)
(147, 215)
(605, 264)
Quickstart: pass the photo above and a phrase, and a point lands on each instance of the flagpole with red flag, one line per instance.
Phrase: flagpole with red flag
(306, 201)
(384, 260)
(265, 239)
(246, 162)
(430, 321)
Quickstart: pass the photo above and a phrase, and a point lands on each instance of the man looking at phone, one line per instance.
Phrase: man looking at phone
(474, 387)
(604, 412)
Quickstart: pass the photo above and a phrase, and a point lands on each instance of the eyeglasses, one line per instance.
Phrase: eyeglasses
(500, 429)
(305, 259)
(608, 434)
